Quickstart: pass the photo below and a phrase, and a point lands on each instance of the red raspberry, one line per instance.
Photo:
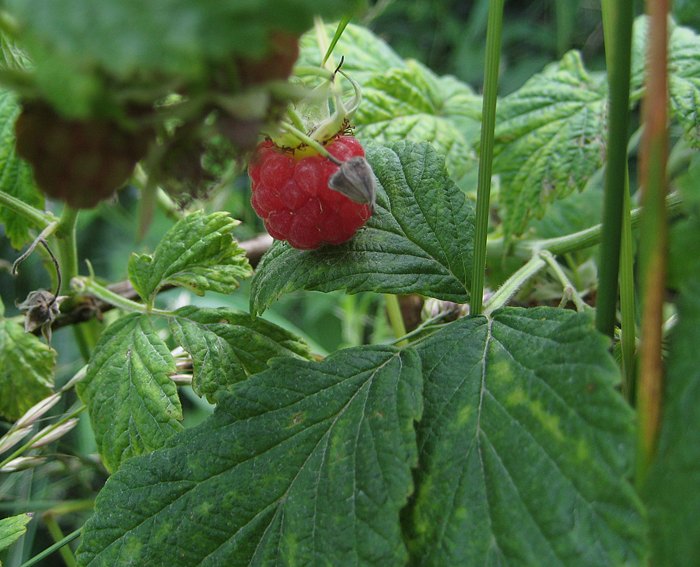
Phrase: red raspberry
(291, 195)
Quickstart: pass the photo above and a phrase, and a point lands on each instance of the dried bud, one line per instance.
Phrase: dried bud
(42, 308)
(37, 410)
(50, 433)
(355, 180)
(22, 463)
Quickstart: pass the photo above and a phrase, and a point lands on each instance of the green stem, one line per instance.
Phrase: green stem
(67, 247)
(511, 286)
(653, 243)
(488, 125)
(576, 240)
(86, 285)
(58, 535)
(627, 300)
(393, 309)
(564, 280)
(41, 219)
(618, 16)
(49, 550)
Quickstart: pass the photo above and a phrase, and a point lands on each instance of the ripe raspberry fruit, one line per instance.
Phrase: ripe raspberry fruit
(292, 196)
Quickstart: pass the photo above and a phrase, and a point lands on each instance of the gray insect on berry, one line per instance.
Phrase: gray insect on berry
(355, 180)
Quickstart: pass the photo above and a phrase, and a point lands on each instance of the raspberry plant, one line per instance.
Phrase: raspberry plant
(520, 422)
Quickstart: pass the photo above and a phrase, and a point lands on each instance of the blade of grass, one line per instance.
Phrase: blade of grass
(653, 241)
(488, 125)
(618, 18)
(49, 550)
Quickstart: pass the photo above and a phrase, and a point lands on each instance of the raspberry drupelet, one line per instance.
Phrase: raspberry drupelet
(292, 196)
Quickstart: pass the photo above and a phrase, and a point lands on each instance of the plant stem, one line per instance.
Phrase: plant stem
(393, 309)
(627, 301)
(488, 126)
(41, 219)
(564, 280)
(511, 286)
(654, 235)
(617, 18)
(89, 286)
(49, 550)
(67, 248)
(586, 238)
(58, 535)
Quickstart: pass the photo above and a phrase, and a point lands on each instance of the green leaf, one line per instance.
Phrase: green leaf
(365, 54)
(81, 49)
(305, 464)
(26, 369)
(404, 100)
(13, 528)
(672, 490)
(412, 103)
(133, 404)
(550, 139)
(525, 446)
(15, 174)
(419, 239)
(684, 74)
(198, 253)
(227, 346)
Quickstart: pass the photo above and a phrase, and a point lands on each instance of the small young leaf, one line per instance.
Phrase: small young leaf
(419, 239)
(305, 464)
(133, 404)
(13, 528)
(524, 446)
(684, 74)
(227, 346)
(26, 370)
(198, 253)
(550, 138)
(15, 174)
(412, 103)
(364, 54)
(672, 491)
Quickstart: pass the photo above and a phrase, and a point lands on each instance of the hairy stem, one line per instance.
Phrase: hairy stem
(90, 286)
(488, 126)
(511, 286)
(564, 280)
(41, 219)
